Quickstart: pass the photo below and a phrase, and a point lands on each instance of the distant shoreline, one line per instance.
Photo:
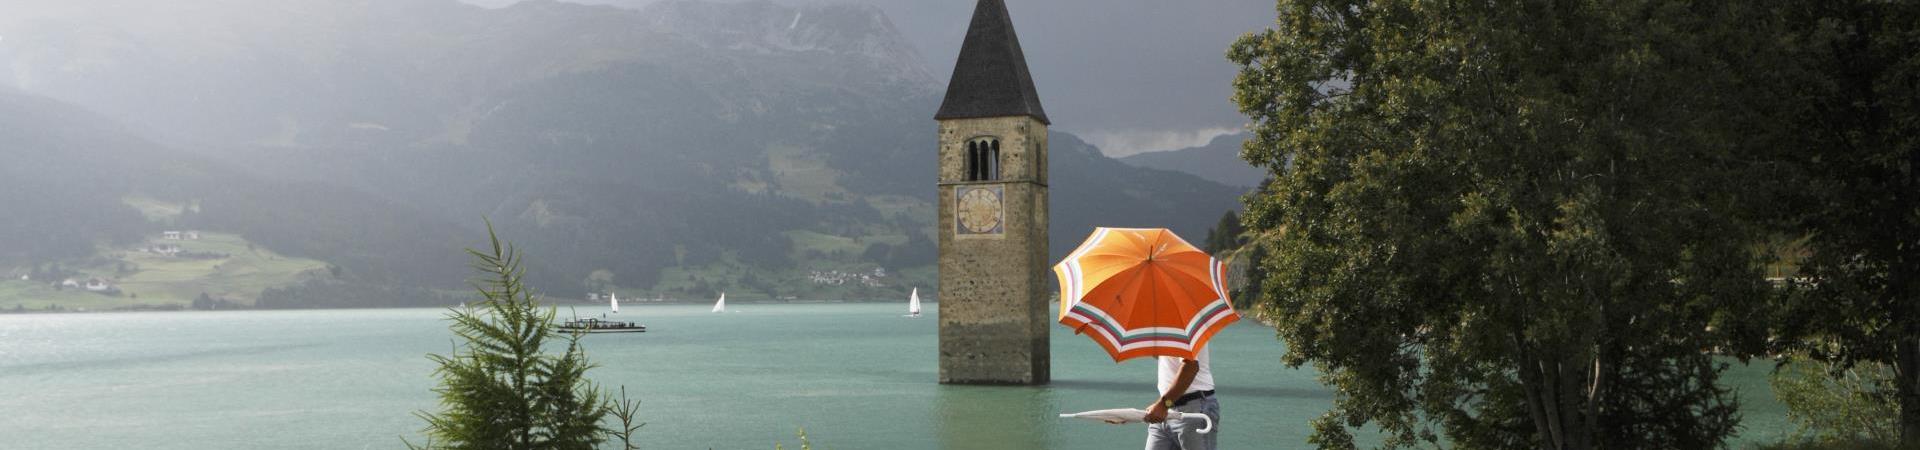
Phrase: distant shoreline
(184, 308)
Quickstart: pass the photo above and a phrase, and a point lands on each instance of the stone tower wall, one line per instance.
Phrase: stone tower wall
(994, 289)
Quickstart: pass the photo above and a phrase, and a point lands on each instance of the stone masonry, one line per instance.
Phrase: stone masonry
(994, 288)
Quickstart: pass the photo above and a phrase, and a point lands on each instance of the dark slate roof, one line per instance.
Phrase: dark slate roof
(990, 79)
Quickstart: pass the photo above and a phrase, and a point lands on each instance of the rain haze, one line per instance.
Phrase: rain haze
(901, 224)
(1163, 79)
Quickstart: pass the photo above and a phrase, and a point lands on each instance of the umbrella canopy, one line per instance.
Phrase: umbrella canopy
(1143, 292)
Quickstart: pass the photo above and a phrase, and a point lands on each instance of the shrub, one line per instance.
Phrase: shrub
(1851, 406)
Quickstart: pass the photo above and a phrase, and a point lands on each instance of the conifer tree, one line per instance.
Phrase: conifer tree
(502, 389)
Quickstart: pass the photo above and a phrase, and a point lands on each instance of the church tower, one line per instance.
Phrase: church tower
(993, 212)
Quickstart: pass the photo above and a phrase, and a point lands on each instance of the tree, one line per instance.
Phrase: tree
(877, 253)
(1856, 406)
(1855, 106)
(502, 389)
(1225, 235)
(1504, 224)
(1256, 277)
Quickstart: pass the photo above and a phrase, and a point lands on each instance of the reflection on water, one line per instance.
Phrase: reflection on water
(975, 417)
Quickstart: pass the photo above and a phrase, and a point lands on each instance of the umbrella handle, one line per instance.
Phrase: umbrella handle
(1202, 430)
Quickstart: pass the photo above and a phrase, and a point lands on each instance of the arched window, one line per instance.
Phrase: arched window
(983, 159)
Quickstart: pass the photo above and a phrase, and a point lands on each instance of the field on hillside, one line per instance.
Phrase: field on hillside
(223, 266)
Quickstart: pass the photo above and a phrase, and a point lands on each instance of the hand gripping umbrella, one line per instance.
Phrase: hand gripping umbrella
(1140, 292)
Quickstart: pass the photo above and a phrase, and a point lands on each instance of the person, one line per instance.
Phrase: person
(1186, 385)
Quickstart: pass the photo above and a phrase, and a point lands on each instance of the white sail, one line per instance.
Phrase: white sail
(614, 300)
(913, 303)
(721, 306)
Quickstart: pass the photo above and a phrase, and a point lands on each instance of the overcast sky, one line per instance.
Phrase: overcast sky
(1129, 75)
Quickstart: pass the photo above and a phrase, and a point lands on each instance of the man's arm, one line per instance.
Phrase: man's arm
(1158, 412)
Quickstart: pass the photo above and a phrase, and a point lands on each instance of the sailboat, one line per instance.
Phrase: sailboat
(721, 306)
(598, 325)
(913, 303)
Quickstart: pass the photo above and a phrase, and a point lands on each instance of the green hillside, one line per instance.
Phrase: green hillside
(222, 266)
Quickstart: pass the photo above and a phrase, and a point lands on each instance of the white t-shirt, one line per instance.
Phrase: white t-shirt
(1170, 371)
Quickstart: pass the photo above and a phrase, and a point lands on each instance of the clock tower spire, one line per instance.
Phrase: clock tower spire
(993, 212)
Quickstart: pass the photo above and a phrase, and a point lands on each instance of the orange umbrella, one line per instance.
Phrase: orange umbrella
(1143, 292)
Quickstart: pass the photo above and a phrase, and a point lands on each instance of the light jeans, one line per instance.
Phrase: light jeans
(1182, 434)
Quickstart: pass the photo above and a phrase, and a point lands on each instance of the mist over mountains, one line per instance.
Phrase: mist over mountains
(676, 150)
(1218, 161)
(1128, 75)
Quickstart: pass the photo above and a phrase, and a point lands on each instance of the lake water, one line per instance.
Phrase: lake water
(856, 376)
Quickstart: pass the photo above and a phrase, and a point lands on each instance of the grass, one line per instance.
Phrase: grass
(37, 296)
(727, 275)
(804, 240)
(157, 280)
(155, 209)
(901, 205)
(803, 173)
(827, 244)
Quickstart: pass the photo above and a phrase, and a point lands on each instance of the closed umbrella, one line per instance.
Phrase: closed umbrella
(1132, 415)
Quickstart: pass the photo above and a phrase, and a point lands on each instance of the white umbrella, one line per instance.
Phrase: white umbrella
(1130, 415)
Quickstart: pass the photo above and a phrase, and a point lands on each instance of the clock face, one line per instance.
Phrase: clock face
(979, 210)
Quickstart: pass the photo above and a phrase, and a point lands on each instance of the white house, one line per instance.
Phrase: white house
(69, 283)
(191, 235)
(170, 235)
(97, 285)
(167, 249)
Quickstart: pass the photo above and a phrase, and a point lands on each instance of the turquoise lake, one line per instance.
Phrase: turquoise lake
(856, 376)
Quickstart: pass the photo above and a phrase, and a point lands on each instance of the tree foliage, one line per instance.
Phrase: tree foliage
(1256, 278)
(1505, 224)
(1225, 235)
(1853, 102)
(1838, 405)
(502, 389)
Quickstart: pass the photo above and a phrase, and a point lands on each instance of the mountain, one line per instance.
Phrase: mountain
(677, 149)
(1218, 161)
(60, 188)
(74, 184)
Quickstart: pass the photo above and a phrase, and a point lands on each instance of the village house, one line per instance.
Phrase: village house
(69, 283)
(98, 285)
(170, 235)
(836, 278)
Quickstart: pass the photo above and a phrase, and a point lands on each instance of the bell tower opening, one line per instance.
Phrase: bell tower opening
(983, 159)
